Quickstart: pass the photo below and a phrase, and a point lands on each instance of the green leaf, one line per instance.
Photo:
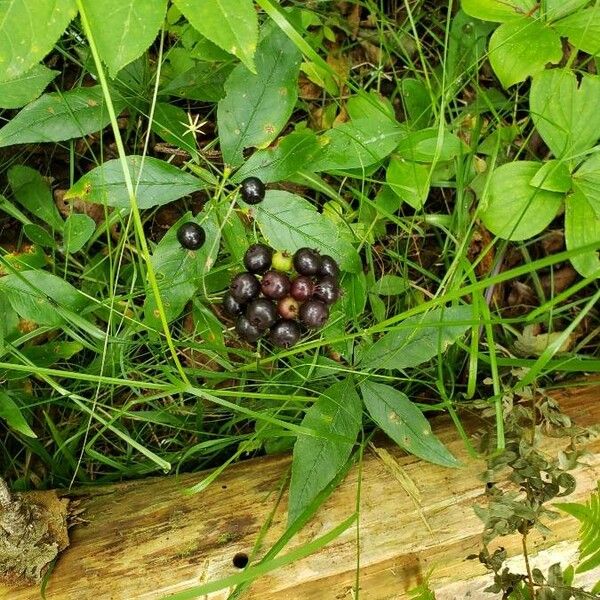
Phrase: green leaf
(418, 339)
(158, 183)
(294, 152)
(202, 82)
(556, 9)
(404, 423)
(180, 272)
(28, 32)
(257, 106)
(289, 222)
(428, 145)
(583, 29)
(499, 11)
(391, 285)
(417, 102)
(582, 227)
(170, 123)
(515, 210)
(79, 228)
(409, 180)
(123, 29)
(26, 87)
(553, 176)
(230, 24)
(11, 413)
(32, 192)
(38, 235)
(522, 48)
(317, 460)
(564, 113)
(358, 144)
(59, 116)
(587, 179)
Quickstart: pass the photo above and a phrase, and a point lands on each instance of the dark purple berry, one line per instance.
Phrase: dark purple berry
(307, 261)
(253, 190)
(314, 314)
(248, 332)
(244, 287)
(191, 236)
(327, 290)
(275, 285)
(302, 288)
(328, 267)
(258, 258)
(285, 333)
(261, 313)
(231, 306)
(288, 308)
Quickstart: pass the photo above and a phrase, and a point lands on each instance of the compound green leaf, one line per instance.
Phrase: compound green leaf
(26, 87)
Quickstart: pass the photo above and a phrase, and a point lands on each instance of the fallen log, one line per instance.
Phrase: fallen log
(148, 539)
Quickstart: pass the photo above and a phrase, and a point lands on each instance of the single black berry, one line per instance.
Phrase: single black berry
(261, 313)
(327, 290)
(253, 190)
(191, 236)
(231, 306)
(328, 267)
(307, 261)
(288, 308)
(314, 314)
(248, 332)
(258, 258)
(302, 288)
(244, 287)
(275, 285)
(285, 333)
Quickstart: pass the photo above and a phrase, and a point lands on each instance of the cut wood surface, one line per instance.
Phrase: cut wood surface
(149, 539)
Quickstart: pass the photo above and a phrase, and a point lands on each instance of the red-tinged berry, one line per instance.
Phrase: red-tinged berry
(258, 258)
(307, 261)
(327, 290)
(261, 313)
(285, 333)
(275, 285)
(302, 288)
(244, 287)
(288, 308)
(314, 314)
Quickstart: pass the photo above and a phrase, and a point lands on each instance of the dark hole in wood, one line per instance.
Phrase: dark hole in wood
(240, 560)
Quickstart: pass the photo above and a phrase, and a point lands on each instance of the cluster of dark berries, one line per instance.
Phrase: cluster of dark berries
(268, 300)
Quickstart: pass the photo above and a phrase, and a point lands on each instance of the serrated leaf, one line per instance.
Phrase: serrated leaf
(26, 87)
(79, 228)
(582, 227)
(123, 29)
(257, 106)
(230, 24)
(28, 32)
(57, 117)
(159, 183)
(404, 423)
(583, 29)
(289, 222)
(317, 460)
(410, 181)
(522, 48)
(202, 82)
(516, 210)
(419, 339)
(11, 413)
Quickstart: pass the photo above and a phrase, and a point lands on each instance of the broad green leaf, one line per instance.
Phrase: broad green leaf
(417, 100)
(499, 11)
(582, 227)
(409, 180)
(583, 29)
(358, 144)
(230, 24)
(390, 285)
(32, 192)
(28, 32)
(564, 113)
(553, 176)
(202, 82)
(158, 183)
(180, 272)
(522, 48)
(257, 106)
(289, 222)
(404, 423)
(59, 116)
(587, 179)
(35, 296)
(556, 9)
(11, 413)
(293, 153)
(79, 228)
(123, 29)
(428, 145)
(515, 210)
(317, 460)
(171, 124)
(26, 87)
(418, 339)
(44, 355)
(39, 235)
(370, 105)
(28, 257)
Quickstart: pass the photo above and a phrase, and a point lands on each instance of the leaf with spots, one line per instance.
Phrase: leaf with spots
(402, 421)
(257, 106)
(123, 29)
(335, 418)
